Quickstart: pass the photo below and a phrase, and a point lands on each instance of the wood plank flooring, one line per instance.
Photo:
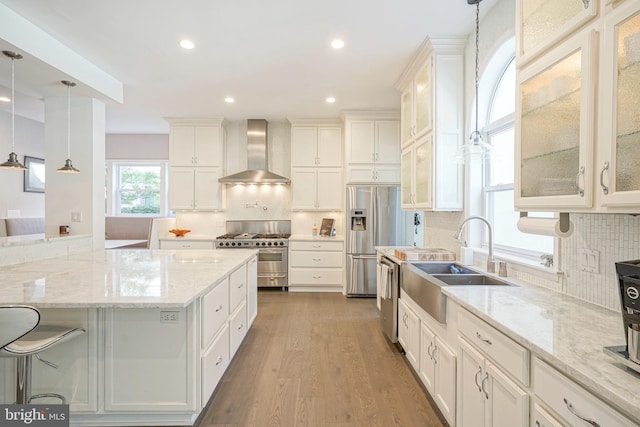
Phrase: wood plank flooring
(314, 359)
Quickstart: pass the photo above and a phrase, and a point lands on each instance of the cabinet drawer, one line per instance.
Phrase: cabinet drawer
(185, 244)
(569, 400)
(215, 310)
(316, 245)
(237, 328)
(311, 277)
(237, 287)
(511, 356)
(316, 259)
(213, 364)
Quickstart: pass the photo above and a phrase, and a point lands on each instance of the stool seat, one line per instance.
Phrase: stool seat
(40, 339)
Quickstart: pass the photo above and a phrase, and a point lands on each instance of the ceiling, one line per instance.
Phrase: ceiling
(273, 57)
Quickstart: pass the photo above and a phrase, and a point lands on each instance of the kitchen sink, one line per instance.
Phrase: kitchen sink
(469, 280)
(443, 268)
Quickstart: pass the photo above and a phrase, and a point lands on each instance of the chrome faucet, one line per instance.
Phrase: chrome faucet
(491, 261)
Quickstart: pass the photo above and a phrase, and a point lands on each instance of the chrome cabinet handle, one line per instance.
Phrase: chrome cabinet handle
(428, 350)
(433, 355)
(317, 277)
(475, 378)
(483, 339)
(219, 308)
(605, 189)
(486, 377)
(538, 423)
(574, 412)
(317, 259)
(241, 326)
(580, 189)
(219, 360)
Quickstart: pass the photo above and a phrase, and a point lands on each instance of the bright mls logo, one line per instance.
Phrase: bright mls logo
(34, 415)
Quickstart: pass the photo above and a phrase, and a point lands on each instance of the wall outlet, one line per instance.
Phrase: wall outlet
(169, 316)
(590, 260)
(76, 216)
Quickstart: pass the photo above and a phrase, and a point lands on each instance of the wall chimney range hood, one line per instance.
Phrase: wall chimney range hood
(257, 172)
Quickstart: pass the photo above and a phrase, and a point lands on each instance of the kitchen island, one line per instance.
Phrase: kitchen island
(162, 327)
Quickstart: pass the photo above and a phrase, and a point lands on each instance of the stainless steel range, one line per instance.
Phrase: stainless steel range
(271, 238)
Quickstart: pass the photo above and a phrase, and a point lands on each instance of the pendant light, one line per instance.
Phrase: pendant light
(476, 147)
(13, 162)
(68, 165)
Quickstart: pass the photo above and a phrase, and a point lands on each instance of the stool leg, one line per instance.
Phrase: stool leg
(23, 380)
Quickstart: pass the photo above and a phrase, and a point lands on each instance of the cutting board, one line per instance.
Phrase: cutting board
(424, 254)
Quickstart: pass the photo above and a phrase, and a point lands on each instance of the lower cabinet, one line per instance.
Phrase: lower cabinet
(438, 372)
(488, 397)
(214, 362)
(187, 244)
(409, 333)
(317, 265)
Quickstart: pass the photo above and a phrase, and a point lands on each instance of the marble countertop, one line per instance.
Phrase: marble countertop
(32, 239)
(566, 332)
(389, 252)
(189, 236)
(119, 278)
(309, 237)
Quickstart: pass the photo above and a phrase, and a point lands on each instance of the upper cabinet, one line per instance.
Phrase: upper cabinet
(372, 147)
(317, 146)
(570, 155)
(196, 160)
(432, 125)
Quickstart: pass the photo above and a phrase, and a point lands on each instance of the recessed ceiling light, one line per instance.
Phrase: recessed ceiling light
(330, 100)
(229, 100)
(337, 44)
(4, 99)
(186, 44)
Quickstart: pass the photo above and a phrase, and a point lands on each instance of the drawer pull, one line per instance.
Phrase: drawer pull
(429, 350)
(240, 285)
(241, 326)
(574, 412)
(486, 377)
(219, 308)
(317, 259)
(316, 246)
(476, 378)
(483, 339)
(317, 277)
(219, 360)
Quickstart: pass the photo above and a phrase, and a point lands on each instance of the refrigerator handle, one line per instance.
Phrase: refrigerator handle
(351, 235)
(376, 216)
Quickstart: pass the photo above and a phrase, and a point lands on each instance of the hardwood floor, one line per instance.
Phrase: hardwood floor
(314, 359)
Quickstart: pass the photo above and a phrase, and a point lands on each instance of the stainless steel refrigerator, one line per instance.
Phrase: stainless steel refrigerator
(374, 218)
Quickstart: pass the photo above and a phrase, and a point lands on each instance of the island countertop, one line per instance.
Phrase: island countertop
(119, 278)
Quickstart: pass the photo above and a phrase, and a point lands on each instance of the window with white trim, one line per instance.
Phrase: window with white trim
(136, 188)
(498, 180)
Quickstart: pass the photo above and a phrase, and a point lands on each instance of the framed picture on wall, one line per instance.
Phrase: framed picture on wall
(34, 176)
(327, 227)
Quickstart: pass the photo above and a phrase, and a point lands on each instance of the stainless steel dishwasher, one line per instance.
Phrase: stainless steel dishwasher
(389, 306)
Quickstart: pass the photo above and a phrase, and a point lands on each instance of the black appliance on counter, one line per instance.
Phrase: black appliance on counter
(628, 273)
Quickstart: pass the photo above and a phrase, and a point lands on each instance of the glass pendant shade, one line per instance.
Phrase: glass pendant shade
(68, 164)
(13, 162)
(476, 148)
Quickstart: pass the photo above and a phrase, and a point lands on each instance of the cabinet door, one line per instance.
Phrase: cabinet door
(206, 188)
(304, 142)
(409, 328)
(427, 361)
(423, 173)
(361, 142)
(619, 179)
(445, 381)
(182, 145)
(542, 23)
(330, 147)
(508, 403)
(329, 189)
(423, 99)
(386, 174)
(181, 186)
(471, 403)
(252, 291)
(303, 183)
(554, 136)
(407, 178)
(208, 147)
(387, 138)
(542, 418)
(361, 174)
(406, 115)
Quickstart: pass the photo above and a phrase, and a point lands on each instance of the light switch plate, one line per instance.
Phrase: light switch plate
(590, 260)
(76, 216)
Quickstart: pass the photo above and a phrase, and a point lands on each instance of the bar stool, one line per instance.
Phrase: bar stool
(21, 337)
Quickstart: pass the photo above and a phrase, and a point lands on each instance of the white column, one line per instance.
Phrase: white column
(81, 193)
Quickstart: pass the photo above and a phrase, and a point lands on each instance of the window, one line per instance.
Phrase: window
(136, 188)
(498, 182)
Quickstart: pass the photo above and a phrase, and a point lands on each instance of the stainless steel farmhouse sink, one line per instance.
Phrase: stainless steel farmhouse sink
(423, 282)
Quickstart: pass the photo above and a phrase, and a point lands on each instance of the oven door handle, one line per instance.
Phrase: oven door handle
(273, 276)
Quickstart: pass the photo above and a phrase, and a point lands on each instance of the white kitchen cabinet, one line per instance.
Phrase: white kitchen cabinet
(237, 288)
(540, 417)
(215, 312)
(196, 143)
(237, 327)
(438, 372)
(316, 146)
(252, 291)
(432, 119)
(316, 265)
(488, 397)
(409, 334)
(373, 147)
(215, 360)
(195, 188)
(544, 23)
(575, 405)
(317, 189)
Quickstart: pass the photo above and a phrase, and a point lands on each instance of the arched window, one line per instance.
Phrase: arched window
(498, 185)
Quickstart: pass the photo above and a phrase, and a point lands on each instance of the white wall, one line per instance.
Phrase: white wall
(29, 141)
(137, 147)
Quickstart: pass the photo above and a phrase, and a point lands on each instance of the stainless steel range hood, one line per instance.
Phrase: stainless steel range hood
(257, 172)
